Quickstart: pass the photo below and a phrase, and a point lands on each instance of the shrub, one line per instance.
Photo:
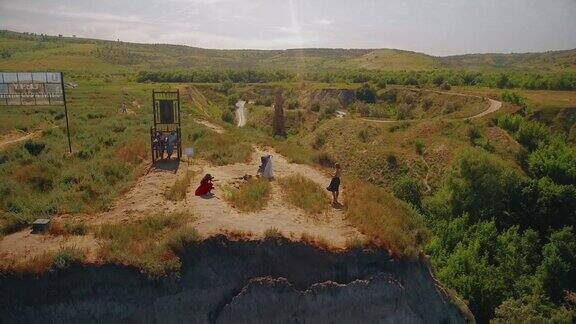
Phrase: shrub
(530, 134)
(305, 194)
(510, 123)
(319, 141)
(5, 54)
(483, 187)
(366, 93)
(293, 104)
(409, 189)
(381, 84)
(253, 195)
(403, 111)
(364, 135)
(228, 117)
(534, 308)
(182, 238)
(34, 148)
(513, 98)
(451, 107)
(420, 147)
(315, 107)
(272, 233)
(503, 81)
(67, 257)
(556, 160)
(473, 133)
(392, 161)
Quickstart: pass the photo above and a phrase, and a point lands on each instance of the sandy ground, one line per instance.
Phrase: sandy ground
(213, 215)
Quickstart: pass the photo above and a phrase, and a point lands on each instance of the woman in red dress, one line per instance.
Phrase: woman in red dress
(205, 186)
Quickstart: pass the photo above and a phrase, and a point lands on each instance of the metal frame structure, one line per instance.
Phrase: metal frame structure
(166, 112)
(43, 80)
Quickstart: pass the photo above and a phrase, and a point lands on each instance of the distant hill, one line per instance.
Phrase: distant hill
(92, 55)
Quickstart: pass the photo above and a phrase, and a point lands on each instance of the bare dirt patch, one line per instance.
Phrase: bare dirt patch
(212, 216)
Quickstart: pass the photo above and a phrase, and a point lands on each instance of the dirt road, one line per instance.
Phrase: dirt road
(493, 105)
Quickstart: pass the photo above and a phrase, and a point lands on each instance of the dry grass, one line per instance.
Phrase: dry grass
(252, 195)
(355, 243)
(60, 227)
(134, 152)
(182, 238)
(62, 259)
(315, 240)
(272, 233)
(386, 220)
(180, 187)
(305, 194)
(149, 244)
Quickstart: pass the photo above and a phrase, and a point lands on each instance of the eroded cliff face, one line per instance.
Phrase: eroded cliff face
(223, 281)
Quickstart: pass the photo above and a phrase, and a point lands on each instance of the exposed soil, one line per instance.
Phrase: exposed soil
(14, 138)
(223, 281)
(213, 215)
(214, 127)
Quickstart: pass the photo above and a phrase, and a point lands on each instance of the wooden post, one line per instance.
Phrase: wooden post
(279, 128)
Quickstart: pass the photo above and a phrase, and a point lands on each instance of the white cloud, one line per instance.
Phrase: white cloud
(446, 27)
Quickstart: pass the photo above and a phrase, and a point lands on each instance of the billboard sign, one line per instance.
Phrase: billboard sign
(31, 88)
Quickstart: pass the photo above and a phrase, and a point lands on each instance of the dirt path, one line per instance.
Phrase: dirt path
(240, 113)
(493, 105)
(214, 127)
(215, 215)
(212, 216)
(14, 138)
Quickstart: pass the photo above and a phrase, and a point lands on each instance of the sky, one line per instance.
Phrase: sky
(436, 27)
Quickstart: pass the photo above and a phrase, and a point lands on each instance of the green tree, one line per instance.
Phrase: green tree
(366, 93)
(557, 273)
(409, 189)
(556, 160)
(533, 308)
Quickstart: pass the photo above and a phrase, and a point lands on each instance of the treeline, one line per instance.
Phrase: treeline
(214, 76)
(506, 240)
(507, 80)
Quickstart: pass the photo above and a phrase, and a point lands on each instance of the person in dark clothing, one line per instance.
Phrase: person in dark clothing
(334, 186)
